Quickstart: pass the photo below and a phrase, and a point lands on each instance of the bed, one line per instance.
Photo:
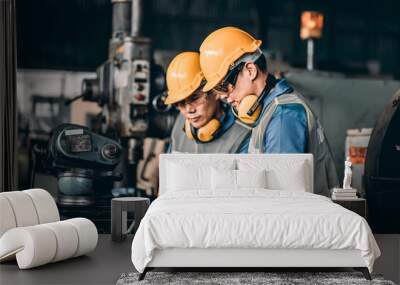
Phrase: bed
(258, 210)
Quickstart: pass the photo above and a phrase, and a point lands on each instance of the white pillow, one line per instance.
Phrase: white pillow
(236, 179)
(188, 175)
(291, 178)
(281, 174)
(182, 178)
(251, 178)
(223, 179)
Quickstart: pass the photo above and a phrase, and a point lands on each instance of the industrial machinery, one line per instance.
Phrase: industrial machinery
(84, 164)
(94, 165)
(79, 158)
(382, 171)
(129, 88)
(122, 86)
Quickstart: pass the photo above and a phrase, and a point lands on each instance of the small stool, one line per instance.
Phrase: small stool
(119, 217)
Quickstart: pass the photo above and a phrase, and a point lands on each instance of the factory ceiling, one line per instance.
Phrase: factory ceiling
(73, 34)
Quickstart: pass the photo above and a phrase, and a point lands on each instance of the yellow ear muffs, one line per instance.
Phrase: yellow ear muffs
(188, 130)
(206, 133)
(203, 134)
(248, 103)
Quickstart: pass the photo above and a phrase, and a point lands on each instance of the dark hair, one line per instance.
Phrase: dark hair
(261, 63)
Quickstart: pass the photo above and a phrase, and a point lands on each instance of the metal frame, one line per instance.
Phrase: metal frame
(363, 270)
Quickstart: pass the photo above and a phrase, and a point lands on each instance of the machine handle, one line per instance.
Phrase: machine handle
(69, 101)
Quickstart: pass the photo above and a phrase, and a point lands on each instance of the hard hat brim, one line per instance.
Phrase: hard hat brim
(185, 92)
(175, 99)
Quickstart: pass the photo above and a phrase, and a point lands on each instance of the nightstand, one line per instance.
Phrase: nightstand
(119, 215)
(358, 206)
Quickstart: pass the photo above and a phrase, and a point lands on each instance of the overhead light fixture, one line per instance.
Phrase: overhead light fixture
(311, 28)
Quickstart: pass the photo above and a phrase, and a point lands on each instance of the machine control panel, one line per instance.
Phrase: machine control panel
(78, 141)
(140, 82)
(86, 147)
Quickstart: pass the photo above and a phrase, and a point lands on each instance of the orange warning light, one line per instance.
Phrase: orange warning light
(311, 25)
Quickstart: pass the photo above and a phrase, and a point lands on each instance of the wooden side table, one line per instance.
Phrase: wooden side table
(358, 206)
(119, 215)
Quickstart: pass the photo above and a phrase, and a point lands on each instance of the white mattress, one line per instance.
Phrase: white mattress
(252, 219)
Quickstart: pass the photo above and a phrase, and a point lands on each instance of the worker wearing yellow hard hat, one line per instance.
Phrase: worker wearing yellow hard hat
(205, 124)
(281, 120)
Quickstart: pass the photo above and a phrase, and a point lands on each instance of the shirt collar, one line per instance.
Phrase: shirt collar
(281, 87)
(227, 119)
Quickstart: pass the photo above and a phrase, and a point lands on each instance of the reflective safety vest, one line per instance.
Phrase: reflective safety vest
(325, 176)
(228, 142)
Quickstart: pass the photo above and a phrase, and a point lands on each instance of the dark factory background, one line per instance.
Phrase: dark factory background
(83, 113)
(359, 37)
(61, 44)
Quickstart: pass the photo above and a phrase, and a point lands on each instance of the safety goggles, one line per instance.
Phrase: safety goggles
(194, 100)
(230, 78)
(234, 70)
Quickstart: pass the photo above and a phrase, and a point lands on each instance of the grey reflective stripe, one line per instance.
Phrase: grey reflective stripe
(229, 142)
(176, 130)
(257, 135)
(256, 144)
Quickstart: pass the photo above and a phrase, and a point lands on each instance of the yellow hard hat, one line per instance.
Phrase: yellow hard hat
(184, 76)
(221, 49)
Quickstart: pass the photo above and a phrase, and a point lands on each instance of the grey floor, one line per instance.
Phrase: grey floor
(103, 266)
(111, 259)
(389, 263)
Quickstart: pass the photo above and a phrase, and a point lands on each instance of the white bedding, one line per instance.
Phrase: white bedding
(251, 218)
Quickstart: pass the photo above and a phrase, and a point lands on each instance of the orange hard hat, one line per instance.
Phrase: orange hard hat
(184, 76)
(221, 49)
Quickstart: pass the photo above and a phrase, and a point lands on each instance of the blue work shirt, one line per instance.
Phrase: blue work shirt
(287, 131)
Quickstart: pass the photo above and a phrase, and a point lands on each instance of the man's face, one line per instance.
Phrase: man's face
(243, 87)
(199, 108)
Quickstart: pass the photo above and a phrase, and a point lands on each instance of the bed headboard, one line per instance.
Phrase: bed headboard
(277, 161)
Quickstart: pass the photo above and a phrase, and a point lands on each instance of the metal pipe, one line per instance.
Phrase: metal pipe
(310, 54)
(137, 18)
(121, 18)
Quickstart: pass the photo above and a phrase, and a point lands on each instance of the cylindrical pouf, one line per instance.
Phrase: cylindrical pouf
(33, 246)
(37, 245)
(67, 240)
(23, 208)
(7, 218)
(87, 235)
(45, 205)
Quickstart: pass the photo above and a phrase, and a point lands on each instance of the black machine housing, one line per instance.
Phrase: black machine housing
(79, 158)
(382, 171)
(74, 146)
(84, 164)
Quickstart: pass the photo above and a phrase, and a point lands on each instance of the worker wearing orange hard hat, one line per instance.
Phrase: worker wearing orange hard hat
(205, 124)
(281, 120)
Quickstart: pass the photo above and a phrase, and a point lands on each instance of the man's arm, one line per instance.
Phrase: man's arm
(287, 131)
